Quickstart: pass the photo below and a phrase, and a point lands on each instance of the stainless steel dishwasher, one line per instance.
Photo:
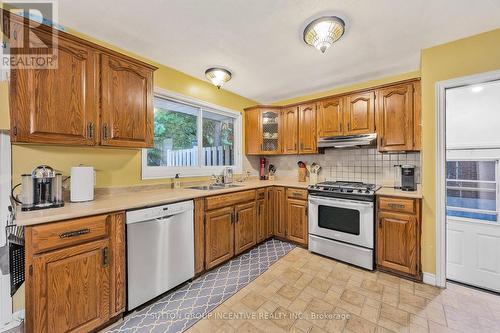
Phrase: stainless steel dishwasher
(160, 250)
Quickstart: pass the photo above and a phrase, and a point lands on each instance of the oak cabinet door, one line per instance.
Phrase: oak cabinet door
(277, 210)
(290, 121)
(252, 131)
(245, 227)
(219, 236)
(262, 226)
(57, 105)
(296, 217)
(359, 115)
(397, 242)
(330, 117)
(127, 103)
(118, 264)
(72, 288)
(307, 129)
(395, 118)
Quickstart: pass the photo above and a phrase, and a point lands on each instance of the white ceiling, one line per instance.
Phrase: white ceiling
(260, 41)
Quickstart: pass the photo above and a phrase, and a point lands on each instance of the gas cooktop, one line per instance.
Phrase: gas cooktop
(341, 189)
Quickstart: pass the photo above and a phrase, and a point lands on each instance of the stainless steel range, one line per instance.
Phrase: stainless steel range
(341, 221)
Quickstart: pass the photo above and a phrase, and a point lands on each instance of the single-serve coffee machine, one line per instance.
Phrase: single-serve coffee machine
(41, 189)
(408, 178)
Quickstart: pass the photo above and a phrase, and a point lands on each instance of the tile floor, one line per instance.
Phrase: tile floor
(180, 309)
(304, 292)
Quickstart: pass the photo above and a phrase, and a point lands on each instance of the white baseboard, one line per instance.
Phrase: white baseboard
(429, 278)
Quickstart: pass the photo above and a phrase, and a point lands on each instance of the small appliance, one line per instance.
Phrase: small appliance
(408, 178)
(262, 168)
(82, 183)
(228, 175)
(41, 189)
(341, 221)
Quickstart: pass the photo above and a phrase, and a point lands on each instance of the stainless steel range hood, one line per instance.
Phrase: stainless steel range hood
(348, 141)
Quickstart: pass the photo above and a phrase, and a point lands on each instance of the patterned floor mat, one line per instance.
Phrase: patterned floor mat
(182, 308)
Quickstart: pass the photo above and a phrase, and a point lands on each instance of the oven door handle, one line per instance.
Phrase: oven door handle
(339, 202)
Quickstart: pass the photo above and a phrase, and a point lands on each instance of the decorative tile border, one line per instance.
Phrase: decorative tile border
(182, 308)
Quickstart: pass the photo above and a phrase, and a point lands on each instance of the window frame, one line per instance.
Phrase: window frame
(475, 155)
(161, 172)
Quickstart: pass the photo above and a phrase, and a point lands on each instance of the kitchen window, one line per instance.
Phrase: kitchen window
(472, 190)
(192, 138)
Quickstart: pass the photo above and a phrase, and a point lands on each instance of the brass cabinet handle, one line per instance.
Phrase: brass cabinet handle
(105, 256)
(340, 127)
(297, 194)
(74, 233)
(105, 131)
(393, 205)
(90, 130)
(348, 127)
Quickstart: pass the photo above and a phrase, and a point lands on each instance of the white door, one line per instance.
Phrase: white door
(472, 187)
(473, 253)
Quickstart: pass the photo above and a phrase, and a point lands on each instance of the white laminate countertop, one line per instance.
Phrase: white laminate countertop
(392, 192)
(136, 197)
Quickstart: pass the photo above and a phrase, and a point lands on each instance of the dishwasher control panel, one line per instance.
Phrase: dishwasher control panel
(157, 212)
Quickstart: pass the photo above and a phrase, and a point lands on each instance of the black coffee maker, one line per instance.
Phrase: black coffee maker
(408, 178)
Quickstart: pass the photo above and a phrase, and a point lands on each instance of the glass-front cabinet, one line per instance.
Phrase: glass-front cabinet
(270, 131)
(263, 130)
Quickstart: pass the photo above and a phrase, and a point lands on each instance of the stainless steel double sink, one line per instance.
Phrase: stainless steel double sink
(213, 187)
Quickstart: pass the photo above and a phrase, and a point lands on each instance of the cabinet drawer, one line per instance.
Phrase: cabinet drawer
(260, 194)
(296, 193)
(397, 204)
(61, 234)
(229, 199)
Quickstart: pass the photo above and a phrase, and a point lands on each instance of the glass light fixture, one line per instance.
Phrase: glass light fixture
(218, 76)
(323, 32)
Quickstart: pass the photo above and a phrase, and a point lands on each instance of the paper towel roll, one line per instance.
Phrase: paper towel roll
(82, 183)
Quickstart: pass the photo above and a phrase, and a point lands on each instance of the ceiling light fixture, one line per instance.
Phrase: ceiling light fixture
(218, 76)
(324, 31)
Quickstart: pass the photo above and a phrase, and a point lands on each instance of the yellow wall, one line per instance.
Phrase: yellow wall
(352, 87)
(472, 55)
(115, 166)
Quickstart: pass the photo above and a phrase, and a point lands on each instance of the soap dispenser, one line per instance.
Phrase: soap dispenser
(177, 181)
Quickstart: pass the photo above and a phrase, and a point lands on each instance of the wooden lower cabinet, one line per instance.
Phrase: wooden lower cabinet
(219, 236)
(296, 221)
(75, 287)
(245, 227)
(398, 239)
(277, 210)
(262, 218)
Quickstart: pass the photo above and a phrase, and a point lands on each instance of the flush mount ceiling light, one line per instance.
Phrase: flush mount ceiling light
(324, 31)
(218, 76)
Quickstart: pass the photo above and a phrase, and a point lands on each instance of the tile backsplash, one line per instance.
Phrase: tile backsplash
(361, 164)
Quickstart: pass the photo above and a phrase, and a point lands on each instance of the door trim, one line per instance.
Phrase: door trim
(5, 181)
(440, 89)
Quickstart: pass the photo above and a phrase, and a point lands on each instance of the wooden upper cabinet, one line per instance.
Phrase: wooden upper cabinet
(252, 131)
(359, 114)
(290, 121)
(330, 117)
(245, 230)
(219, 236)
(127, 103)
(93, 95)
(270, 131)
(70, 289)
(395, 118)
(307, 129)
(57, 105)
